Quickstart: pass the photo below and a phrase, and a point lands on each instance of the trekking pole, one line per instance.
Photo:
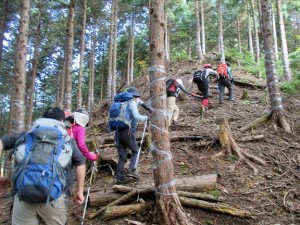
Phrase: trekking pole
(139, 152)
(87, 195)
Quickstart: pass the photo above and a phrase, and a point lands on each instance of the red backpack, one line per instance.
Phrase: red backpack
(222, 70)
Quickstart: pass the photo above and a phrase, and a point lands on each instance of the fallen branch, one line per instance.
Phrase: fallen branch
(125, 210)
(216, 207)
(251, 138)
(256, 122)
(116, 202)
(201, 196)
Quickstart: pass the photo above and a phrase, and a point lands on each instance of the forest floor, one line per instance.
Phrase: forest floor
(272, 196)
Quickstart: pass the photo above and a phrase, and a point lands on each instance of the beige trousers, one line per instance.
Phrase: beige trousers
(173, 110)
(25, 213)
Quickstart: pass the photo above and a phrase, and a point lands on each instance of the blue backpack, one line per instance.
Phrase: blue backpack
(41, 158)
(120, 116)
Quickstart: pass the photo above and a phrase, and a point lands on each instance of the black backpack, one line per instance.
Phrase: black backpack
(198, 76)
(170, 85)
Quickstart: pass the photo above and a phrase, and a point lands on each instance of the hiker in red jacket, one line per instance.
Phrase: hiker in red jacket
(201, 78)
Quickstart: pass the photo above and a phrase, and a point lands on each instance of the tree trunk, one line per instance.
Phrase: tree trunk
(109, 95)
(239, 34)
(284, 47)
(31, 92)
(198, 31)
(220, 32)
(18, 101)
(167, 200)
(132, 48)
(250, 42)
(272, 80)
(92, 70)
(202, 28)
(81, 65)
(167, 35)
(256, 39)
(274, 33)
(3, 26)
(115, 43)
(68, 58)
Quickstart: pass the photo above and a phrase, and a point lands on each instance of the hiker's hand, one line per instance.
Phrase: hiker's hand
(94, 157)
(79, 198)
(193, 94)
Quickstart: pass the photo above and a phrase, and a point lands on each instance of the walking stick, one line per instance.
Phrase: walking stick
(88, 193)
(139, 152)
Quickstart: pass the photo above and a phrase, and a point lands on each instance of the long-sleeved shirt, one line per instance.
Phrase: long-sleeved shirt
(229, 71)
(79, 136)
(136, 116)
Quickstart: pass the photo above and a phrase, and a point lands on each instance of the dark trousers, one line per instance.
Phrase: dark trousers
(222, 83)
(126, 139)
(203, 88)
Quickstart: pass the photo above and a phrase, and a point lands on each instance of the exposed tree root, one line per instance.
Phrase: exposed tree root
(230, 146)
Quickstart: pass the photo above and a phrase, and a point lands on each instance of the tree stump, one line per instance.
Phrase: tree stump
(229, 145)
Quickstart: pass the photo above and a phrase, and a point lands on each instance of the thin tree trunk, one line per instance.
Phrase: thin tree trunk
(68, 57)
(274, 33)
(250, 42)
(256, 39)
(3, 26)
(81, 65)
(128, 60)
(220, 32)
(92, 71)
(239, 34)
(115, 43)
(109, 95)
(272, 79)
(31, 92)
(166, 197)
(202, 28)
(18, 101)
(167, 38)
(132, 48)
(198, 31)
(284, 47)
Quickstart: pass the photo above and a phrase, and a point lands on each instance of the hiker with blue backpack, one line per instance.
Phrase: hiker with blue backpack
(43, 155)
(123, 117)
(173, 88)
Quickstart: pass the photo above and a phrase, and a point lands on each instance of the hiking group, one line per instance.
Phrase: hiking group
(54, 151)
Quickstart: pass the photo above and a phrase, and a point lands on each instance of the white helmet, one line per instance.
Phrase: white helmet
(179, 81)
(81, 117)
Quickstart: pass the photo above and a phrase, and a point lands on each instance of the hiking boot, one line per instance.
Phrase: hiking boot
(231, 99)
(124, 181)
(133, 174)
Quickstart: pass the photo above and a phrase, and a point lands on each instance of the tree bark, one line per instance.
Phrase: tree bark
(285, 53)
(18, 101)
(32, 77)
(250, 41)
(81, 65)
(198, 31)
(272, 80)
(220, 32)
(274, 33)
(68, 59)
(167, 201)
(202, 28)
(3, 26)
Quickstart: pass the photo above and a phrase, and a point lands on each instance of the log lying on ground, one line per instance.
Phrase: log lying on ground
(101, 198)
(124, 198)
(125, 210)
(256, 122)
(251, 138)
(201, 196)
(216, 207)
(229, 145)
